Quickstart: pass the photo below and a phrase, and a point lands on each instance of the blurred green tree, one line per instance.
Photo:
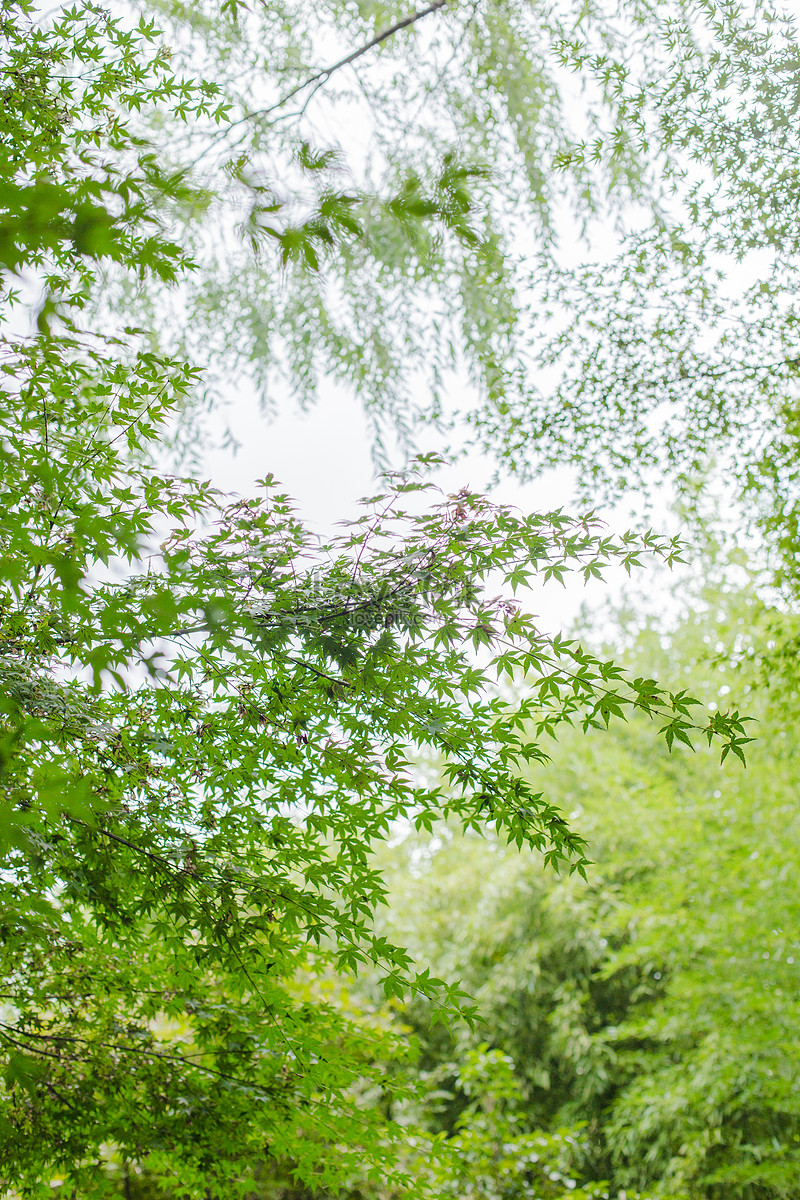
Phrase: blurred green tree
(657, 1001)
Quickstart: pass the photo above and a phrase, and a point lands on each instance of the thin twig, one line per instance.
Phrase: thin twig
(322, 77)
(326, 73)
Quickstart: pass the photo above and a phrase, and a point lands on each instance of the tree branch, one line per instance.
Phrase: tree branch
(324, 75)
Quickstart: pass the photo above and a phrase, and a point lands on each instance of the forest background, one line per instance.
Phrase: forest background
(328, 867)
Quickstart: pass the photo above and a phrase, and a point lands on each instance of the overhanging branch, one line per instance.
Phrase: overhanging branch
(321, 77)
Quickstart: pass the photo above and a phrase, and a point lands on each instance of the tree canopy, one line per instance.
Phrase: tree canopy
(655, 1002)
(207, 718)
(566, 233)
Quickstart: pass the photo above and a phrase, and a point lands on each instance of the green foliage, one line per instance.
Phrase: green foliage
(77, 182)
(657, 1001)
(394, 269)
(491, 1154)
(442, 256)
(207, 720)
(675, 353)
(574, 227)
(203, 741)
